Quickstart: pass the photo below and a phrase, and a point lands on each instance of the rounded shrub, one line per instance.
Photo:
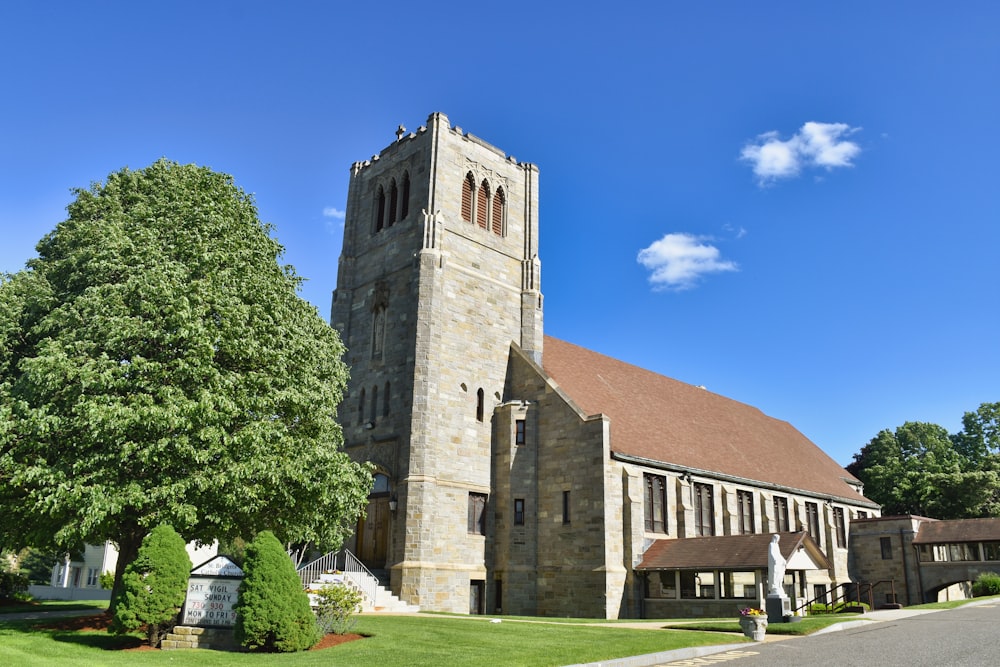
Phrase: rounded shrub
(987, 583)
(153, 586)
(273, 612)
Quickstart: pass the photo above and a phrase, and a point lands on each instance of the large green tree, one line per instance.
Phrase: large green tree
(920, 469)
(158, 366)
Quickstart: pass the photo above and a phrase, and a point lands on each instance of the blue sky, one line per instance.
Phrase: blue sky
(794, 204)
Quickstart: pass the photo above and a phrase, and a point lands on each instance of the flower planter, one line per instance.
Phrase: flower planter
(754, 627)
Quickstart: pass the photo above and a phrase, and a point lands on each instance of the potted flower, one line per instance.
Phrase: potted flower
(753, 622)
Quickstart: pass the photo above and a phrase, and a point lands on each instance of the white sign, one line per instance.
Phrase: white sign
(210, 601)
(220, 566)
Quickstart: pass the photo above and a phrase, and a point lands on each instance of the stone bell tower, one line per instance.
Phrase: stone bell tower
(438, 275)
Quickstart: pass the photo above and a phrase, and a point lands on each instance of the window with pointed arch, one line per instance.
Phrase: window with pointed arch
(482, 206)
(480, 404)
(404, 202)
(361, 407)
(379, 209)
(499, 208)
(385, 400)
(468, 186)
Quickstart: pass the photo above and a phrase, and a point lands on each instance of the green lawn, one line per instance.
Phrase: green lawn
(806, 626)
(52, 605)
(410, 641)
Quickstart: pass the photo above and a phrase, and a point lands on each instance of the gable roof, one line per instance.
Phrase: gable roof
(729, 552)
(958, 530)
(658, 419)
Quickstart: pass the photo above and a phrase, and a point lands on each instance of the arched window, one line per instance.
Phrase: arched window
(393, 196)
(379, 209)
(361, 407)
(468, 185)
(385, 400)
(404, 203)
(498, 205)
(374, 401)
(482, 204)
(380, 485)
(480, 403)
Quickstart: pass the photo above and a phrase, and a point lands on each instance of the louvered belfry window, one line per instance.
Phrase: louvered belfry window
(467, 186)
(380, 210)
(404, 204)
(498, 203)
(482, 204)
(393, 198)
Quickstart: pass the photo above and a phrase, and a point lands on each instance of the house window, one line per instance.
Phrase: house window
(498, 207)
(468, 185)
(886, 544)
(812, 521)
(565, 507)
(519, 511)
(477, 513)
(656, 503)
(862, 514)
(780, 514)
(744, 501)
(519, 433)
(480, 404)
(704, 510)
(92, 577)
(838, 522)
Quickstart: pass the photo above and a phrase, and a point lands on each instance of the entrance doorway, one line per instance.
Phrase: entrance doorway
(373, 527)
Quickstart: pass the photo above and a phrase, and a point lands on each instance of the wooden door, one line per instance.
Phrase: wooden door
(373, 533)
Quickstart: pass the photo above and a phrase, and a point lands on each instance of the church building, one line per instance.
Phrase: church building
(522, 474)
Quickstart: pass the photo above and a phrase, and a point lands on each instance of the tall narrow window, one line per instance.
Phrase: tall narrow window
(374, 402)
(404, 203)
(886, 544)
(385, 400)
(380, 209)
(482, 204)
(704, 510)
(480, 404)
(780, 514)
(468, 185)
(812, 521)
(378, 332)
(744, 501)
(393, 200)
(477, 513)
(519, 432)
(519, 511)
(838, 522)
(361, 407)
(656, 503)
(565, 507)
(498, 205)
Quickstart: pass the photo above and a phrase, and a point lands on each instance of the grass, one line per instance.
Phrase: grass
(53, 605)
(951, 604)
(806, 626)
(411, 641)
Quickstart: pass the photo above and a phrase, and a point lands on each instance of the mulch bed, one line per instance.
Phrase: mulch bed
(100, 622)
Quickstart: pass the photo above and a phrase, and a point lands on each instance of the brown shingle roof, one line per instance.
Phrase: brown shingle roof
(660, 419)
(729, 552)
(958, 530)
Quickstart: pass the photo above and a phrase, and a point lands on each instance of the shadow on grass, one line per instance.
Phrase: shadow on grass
(98, 639)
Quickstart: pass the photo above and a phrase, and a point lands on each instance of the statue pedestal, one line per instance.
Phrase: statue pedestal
(777, 608)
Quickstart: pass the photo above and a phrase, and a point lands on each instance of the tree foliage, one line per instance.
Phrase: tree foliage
(153, 586)
(157, 366)
(273, 612)
(920, 469)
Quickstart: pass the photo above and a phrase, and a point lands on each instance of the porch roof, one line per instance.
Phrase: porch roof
(729, 552)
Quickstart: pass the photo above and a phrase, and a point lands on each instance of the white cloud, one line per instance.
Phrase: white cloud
(677, 261)
(814, 145)
(333, 212)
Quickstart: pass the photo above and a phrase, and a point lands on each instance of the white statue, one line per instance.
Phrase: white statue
(775, 568)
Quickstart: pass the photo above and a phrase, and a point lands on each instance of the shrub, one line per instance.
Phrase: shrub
(335, 607)
(153, 586)
(107, 580)
(273, 612)
(13, 587)
(987, 583)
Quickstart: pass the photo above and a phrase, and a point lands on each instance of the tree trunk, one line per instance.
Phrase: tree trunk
(128, 549)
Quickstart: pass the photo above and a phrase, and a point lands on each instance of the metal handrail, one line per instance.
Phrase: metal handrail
(348, 564)
(858, 588)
